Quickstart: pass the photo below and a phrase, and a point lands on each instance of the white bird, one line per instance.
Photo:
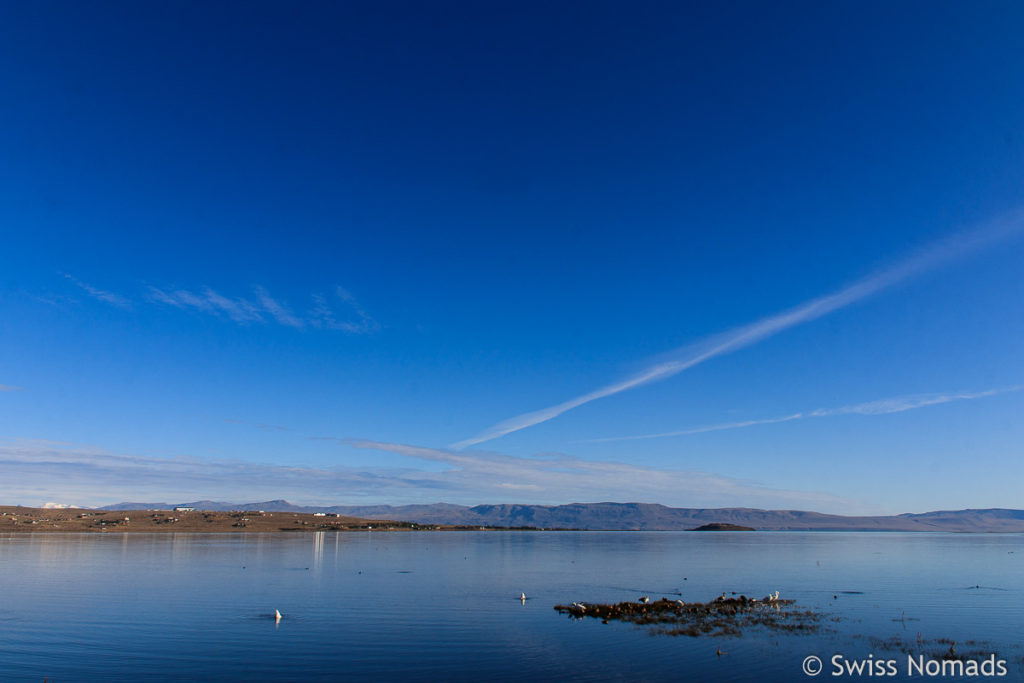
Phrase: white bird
(277, 615)
(644, 599)
(772, 597)
(522, 596)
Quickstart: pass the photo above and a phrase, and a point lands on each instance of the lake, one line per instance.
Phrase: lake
(444, 606)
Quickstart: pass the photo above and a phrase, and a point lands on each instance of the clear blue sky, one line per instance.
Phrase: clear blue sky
(333, 251)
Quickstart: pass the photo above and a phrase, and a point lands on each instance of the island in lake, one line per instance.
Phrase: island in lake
(721, 526)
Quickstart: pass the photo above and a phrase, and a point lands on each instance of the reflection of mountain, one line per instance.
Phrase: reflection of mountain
(636, 516)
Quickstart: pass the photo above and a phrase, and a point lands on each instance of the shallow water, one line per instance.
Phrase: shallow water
(428, 606)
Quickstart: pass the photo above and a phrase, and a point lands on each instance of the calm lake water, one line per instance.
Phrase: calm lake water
(443, 606)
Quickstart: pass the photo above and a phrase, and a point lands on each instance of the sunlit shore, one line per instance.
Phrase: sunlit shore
(19, 519)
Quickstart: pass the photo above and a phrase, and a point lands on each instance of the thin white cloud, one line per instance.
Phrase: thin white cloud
(277, 309)
(208, 301)
(902, 403)
(37, 471)
(324, 316)
(99, 294)
(933, 256)
(881, 407)
(10, 387)
(244, 311)
(239, 310)
(339, 312)
(554, 477)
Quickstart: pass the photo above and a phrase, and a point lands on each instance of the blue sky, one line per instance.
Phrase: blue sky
(336, 252)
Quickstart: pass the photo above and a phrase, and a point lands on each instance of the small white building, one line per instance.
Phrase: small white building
(184, 508)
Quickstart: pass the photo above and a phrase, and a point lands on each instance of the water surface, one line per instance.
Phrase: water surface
(428, 606)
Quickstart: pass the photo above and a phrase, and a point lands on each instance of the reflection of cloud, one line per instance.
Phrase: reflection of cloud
(99, 294)
(881, 407)
(935, 255)
(37, 471)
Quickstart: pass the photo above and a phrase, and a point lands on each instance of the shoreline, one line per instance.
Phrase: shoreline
(26, 520)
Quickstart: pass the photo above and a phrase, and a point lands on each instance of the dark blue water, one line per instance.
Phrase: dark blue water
(443, 606)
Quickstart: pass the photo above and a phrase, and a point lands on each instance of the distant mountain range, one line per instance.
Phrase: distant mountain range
(634, 516)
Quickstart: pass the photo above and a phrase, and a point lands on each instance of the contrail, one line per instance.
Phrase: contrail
(929, 258)
(883, 407)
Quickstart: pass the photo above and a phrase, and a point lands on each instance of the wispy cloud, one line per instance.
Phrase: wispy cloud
(881, 407)
(208, 301)
(9, 387)
(277, 309)
(550, 478)
(323, 315)
(933, 256)
(38, 471)
(326, 313)
(339, 311)
(99, 294)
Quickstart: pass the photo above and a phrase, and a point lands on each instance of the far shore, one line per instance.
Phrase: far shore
(161, 518)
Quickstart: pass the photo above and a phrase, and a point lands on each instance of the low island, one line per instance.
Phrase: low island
(721, 526)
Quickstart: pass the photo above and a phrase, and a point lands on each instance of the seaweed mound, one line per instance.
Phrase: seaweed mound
(719, 617)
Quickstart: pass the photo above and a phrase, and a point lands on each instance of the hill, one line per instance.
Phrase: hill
(636, 516)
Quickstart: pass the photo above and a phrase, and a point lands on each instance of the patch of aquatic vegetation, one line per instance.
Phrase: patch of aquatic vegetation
(936, 648)
(720, 617)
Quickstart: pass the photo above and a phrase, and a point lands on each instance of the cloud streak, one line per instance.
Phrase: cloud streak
(99, 294)
(208, 301)
(37, 471)
(10, 387)
(339, 311)
(280, 313)
(927, 259)
(550, 478)
(323, 316)
(264, 308)
(882, 407)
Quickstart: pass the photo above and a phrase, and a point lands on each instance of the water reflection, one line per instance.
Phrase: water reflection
(429, 606)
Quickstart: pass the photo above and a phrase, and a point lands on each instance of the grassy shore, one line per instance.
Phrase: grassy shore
(43, 520)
